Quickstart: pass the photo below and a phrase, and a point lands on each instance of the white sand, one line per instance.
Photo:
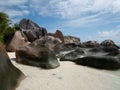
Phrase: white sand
(68, 76)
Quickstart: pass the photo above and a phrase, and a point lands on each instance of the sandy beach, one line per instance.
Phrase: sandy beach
(68, 76)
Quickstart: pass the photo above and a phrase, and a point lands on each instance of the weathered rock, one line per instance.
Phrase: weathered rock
(31, 31)
(71, 39)
(31, 35)
(26, 24)
(101, 58)
(100, 62)
(72, 55)
(107, 51)
(98, 57)
(57, 34)
(91, 44)
(10, 76)
(65, 39)
(51, 41)
(37, 54)
(15, 40)
(65, 47)
(108, 43)
(44, 31)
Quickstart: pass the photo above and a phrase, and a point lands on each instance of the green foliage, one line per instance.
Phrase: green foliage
(4, 26)
(4, 22)
(1, 39)
(16, 26)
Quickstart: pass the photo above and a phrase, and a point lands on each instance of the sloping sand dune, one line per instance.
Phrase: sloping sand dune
(68, 76)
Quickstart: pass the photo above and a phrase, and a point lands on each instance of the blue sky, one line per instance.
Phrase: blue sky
(87, 19)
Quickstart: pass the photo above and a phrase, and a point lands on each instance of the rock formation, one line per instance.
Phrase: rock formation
(91, 44)
(71, 39)
(31, 31)
(26, 24)
(97, 57)
(65, 47)
(100, 62)
(40, 51)
(51, 41)
(65, 39)
(37, 54)
(15, 40)
(72, 55)
(108, 43)
(57, 34)
(10, 76)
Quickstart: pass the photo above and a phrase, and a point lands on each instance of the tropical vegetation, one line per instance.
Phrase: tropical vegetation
(5, 26)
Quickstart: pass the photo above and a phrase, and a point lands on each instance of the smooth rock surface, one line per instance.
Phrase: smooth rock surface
(10, 76)
(37, 54)
(16, 41)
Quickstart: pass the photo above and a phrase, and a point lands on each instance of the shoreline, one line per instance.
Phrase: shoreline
(68, 76)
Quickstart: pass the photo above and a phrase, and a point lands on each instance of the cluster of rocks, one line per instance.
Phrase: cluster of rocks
(34, 46)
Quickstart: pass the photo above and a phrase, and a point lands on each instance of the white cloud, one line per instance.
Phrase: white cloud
(71, 13)
(68, 9)
(40, 7)
(77, 13)
(116, 6)
(104, 35)
(110, 34)
(64, 9)
(12, 2)
(14, 8)
(83, 13)
(15, 13)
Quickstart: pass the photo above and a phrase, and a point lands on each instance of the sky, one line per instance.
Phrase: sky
(96, 20)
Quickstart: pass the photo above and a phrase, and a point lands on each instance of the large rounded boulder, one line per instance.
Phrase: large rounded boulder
(37, 54)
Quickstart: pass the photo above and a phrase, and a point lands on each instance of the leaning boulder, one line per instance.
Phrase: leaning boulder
(10, 76)
(15, 41)
(37, 54)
